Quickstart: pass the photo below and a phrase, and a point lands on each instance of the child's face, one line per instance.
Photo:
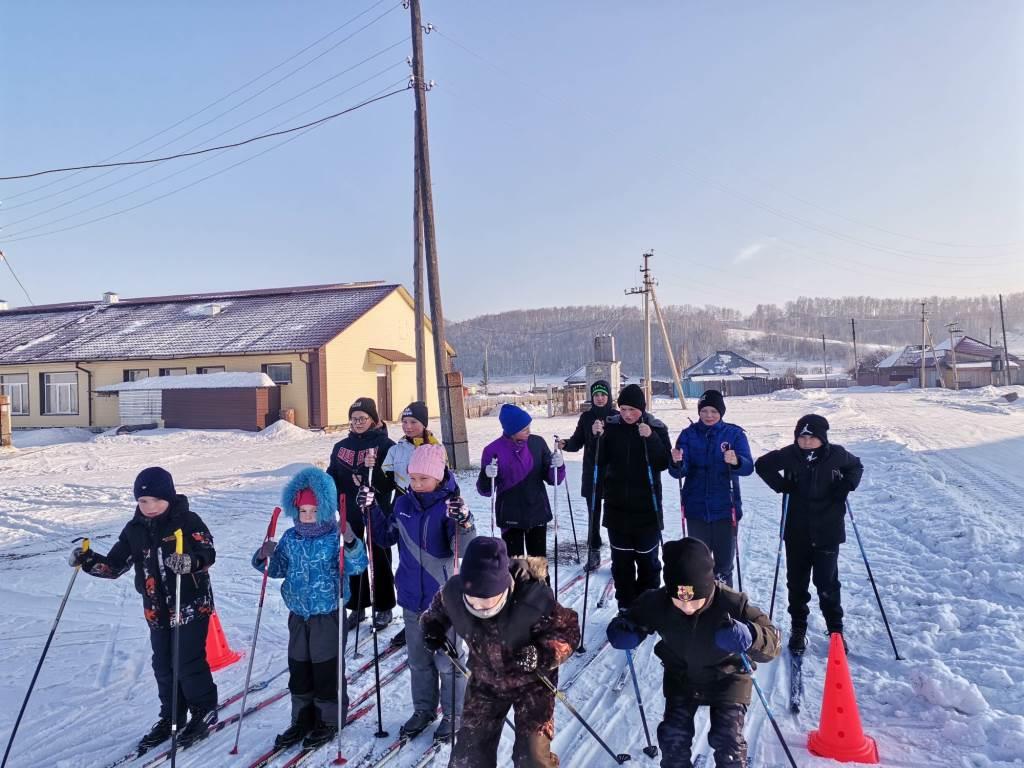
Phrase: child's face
(689, 607)
(710, 416)
(600, 400)
(521, 435)
(411, 428)
(484, 603)
(808, 443)
(307, 513)
(629, 414)
(152, 507)
(423, 483)
(360, 422)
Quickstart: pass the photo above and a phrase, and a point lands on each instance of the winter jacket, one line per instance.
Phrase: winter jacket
(426, 539)
(709, 480)
(309, 567)
(531, 616)
(584, 438)
(396, 463)
(145, 543)
(523, 468)
(818, 483)
(695, 667)
(348, 459)
(623, 464)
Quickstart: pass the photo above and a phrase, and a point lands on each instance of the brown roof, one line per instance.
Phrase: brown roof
(392, 355)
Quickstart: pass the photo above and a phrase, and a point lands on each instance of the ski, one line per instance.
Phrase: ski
(430, 753)
(796, 681)
(606, 594)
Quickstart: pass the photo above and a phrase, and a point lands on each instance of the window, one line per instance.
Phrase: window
(60, 394)
(281, 373)
(173, 371)
(15, 386)
(211, 369)
(134, 374)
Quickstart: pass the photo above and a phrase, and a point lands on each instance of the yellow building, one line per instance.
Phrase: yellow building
(324, 345)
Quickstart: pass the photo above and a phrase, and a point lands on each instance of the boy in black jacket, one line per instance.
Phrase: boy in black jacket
(817, 476)
(147, 542)
(704, 627)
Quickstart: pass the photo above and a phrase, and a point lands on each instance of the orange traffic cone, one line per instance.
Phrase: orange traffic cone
(840, 735)
(218, 653)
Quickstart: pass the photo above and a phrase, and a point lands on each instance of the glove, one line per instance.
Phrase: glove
(267, 550)
(365, 497)
(557, 460)
(787, 486)
(491, 470)
(624, 634)
(180, 564)
(840, 489)
(348, 535)
(77, 557)
(526, 658)
(433, 636)
(733, 637)
(457, 510)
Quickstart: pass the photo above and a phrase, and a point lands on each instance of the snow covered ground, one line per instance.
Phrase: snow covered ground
(941, 512)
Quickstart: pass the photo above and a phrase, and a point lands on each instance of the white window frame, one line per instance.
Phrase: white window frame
(10, 387)
(211, 369)
(64, 393)
(129, 377)
(168, 371)
(266, 369)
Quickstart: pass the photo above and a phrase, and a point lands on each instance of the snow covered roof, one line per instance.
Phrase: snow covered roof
(261, 321)
(725, 363)
(233, 380)
(969, 346)
(579, 376)
(724, 377)
(909, 357)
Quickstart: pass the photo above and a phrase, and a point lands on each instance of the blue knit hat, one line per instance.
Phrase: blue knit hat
(156, 482)
(513, 419)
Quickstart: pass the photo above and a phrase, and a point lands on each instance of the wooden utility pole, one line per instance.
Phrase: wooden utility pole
(487, 368)
(1006, 351)
(856, 361)
(417, 271)
(668, 349)
(953, 329)
(924, 340)
(824, 360)
(645, 289)
(453, 420)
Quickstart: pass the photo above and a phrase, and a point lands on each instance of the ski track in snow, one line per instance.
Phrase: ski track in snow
(940, 512)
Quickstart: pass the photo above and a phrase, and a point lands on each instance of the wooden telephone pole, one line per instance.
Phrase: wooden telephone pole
(1006, 351)
(417, 271)
(645, 290)
(924, 342)
(954, 331)
(856, 360)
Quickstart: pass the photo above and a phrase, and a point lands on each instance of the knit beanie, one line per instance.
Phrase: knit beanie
(600, 387)
(689, 569)
(812, 425)
(367, 406)
(418, 411)
(305, 497)
(513, 419)
(485, 568)
(429, 460)
(712, 398)
(156, 482)
(633, 396)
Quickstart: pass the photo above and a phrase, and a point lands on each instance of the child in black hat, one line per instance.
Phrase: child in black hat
(704, 627)
(817, 476)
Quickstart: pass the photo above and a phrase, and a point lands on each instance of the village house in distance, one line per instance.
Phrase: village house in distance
(317, 347)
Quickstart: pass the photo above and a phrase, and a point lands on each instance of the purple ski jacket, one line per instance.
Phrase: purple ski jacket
(523, 469)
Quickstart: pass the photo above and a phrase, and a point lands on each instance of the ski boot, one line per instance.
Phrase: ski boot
(593, 560)
(398, 641)
(443, 733)
(198, 727)
(416, 724)
(354, 617)
(296, 732)
(798, 640)
(320, 735)
(158, 734)
(381, 620)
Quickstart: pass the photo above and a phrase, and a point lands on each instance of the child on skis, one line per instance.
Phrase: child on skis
(704, 627)
(414, 434)
(307, 559)
(524, 465)
(515, 630)
(430, 524)
(147, 542)
(586, 437)
(817, 476)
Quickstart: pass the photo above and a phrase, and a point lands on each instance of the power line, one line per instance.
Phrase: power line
(7, 261)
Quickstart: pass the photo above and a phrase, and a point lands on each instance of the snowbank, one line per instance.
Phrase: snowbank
(36, 438)
(284, 431)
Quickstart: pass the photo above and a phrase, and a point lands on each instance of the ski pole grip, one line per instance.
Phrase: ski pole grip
(179, 542)
(85, 545)
(272, 528)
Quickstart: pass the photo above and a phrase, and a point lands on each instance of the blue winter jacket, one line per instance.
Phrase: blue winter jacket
(309, 567)
(425, 535)
(708, 477)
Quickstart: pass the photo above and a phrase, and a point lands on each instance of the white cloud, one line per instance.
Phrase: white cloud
(748, 252)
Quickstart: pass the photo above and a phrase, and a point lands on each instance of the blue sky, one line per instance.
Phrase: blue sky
(763, 150)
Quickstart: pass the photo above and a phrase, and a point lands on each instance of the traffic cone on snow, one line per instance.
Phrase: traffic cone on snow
(218, 653)
(840, 735)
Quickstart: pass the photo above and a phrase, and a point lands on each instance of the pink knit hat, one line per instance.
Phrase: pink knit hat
(429, 460)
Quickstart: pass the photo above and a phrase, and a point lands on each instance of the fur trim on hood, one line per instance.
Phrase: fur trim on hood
(322, 486)
(529, 568)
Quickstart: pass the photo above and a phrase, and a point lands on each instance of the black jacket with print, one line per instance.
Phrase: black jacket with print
(145, 543)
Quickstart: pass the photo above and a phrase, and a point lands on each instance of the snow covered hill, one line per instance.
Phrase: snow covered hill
(941, 512)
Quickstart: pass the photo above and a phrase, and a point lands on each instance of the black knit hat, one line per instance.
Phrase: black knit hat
(714, 399)
(418, 411)
(600, 387)
(485, 568)
(156, 482)
(812, 425)
(633, 396)
(689, 569)
(367, 405)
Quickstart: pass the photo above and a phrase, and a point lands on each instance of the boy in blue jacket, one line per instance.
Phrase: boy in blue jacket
(307, 559)
(430, 524)
(712, 455)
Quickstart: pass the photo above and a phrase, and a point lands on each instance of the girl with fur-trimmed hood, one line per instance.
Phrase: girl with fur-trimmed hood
(307, 559)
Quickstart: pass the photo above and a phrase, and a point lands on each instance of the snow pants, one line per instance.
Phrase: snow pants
(196, 689)
(676, 731)
(529, 541)
(802, 560)
(313, 666)
(594, 527)
(427, 669)
(718, 536)
(383, 584)
(476, 744)
(635, 564)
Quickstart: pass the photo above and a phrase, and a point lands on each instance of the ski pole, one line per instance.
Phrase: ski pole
(271, 529)
(654, 494)
(359, 607)
(568, 498)
(179, 549)
(581, 649)
(778, 555)
(46, 648)
(381, 733)
(735, 523)
(560, 695)
(554, 515)
(455, 570)
(453, 654)
(650, 750)
(867, 565)
(494, 495)
(342, 630)
(682, 507)
(767, 709)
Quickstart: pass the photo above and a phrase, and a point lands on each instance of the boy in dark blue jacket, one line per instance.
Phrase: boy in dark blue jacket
(712, 455)
(430, 524)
